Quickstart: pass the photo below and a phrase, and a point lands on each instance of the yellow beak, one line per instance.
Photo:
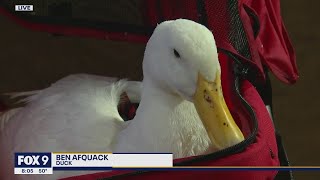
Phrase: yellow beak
(215, 115)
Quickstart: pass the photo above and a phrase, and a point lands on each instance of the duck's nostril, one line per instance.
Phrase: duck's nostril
(176, 53)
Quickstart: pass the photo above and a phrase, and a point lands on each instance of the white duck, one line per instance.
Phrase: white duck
(79, 113)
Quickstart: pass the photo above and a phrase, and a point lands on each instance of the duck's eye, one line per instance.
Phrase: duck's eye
(176, 53)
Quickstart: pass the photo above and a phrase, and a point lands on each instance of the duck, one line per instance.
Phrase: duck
(181, 106)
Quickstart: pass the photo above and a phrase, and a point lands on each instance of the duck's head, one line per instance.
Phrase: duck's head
(181, 57)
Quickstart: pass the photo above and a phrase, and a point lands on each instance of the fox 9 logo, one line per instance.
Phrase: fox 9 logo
(32, 160)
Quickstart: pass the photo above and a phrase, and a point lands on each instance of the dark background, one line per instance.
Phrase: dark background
(32, 60)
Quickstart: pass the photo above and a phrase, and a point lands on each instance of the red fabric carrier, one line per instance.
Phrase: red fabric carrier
(248, 32)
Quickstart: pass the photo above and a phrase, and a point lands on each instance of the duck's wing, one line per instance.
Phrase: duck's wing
(76, 114)
(132, 88)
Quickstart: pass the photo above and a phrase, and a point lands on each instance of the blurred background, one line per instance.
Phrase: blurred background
(25, 55)
(296, 107)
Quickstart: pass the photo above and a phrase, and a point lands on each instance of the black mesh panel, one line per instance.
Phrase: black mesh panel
(237, 35)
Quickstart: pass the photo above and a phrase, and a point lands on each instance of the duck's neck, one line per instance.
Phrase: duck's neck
(150, 130)
(156, 105)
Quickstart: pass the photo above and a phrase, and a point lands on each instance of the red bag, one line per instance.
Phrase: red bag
(250, 35)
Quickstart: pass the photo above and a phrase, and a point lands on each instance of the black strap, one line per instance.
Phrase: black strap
(283, 175)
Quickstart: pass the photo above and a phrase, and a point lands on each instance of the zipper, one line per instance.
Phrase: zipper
(241, 73)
